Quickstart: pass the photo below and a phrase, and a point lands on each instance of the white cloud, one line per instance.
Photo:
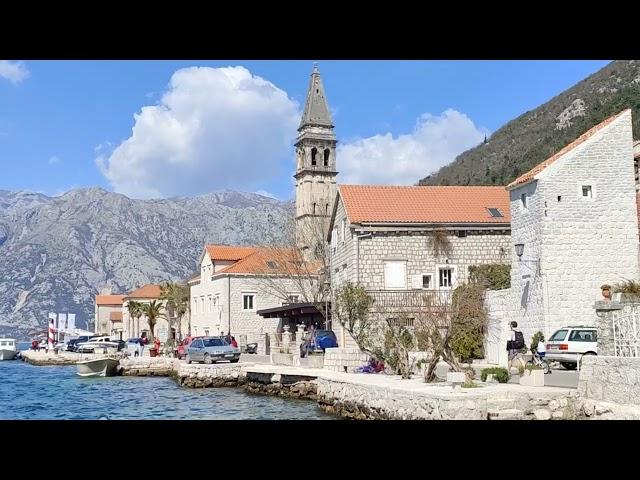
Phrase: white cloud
(264, 193)
(13, 71)
(214, 128)
(53, 160)
(383, 159)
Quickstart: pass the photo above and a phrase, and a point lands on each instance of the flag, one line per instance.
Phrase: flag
(71, 321)
(62, 321)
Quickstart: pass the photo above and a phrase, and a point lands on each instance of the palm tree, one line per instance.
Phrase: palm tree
(135, 311)
(153, 311)
(177, 298)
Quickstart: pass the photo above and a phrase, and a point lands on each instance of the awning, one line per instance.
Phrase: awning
(291, 310)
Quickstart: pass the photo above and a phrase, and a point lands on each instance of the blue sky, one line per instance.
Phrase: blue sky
(66, 124)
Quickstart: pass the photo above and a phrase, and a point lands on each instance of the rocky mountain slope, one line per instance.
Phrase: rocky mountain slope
(56, 253)
(536, 135)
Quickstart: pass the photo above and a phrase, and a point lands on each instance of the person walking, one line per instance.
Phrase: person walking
(515, 343)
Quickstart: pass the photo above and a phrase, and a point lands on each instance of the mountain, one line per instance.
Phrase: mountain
(56, 253)
(536, 135)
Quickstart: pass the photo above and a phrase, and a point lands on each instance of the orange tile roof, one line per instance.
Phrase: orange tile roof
(109, 299)
(270, 261)
(530, 175)
(147, 291)
(228, 252)
(115, 316)
(395, 204)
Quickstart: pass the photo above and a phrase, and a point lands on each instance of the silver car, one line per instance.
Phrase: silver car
(212, 349)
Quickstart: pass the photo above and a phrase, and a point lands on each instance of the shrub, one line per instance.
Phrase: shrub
(468, 322)
(537, 338)
(494, 276)
(500, 374)
(470, 384)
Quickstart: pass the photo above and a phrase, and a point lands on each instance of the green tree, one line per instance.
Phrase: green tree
(135, 311)
(153, 311)
(177, 305)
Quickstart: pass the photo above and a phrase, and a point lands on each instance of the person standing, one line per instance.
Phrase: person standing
(515, 342)
(142, 341)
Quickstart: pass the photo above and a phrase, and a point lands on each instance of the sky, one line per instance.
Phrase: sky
(158, 129)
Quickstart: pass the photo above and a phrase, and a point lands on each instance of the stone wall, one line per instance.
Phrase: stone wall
(610, 379)
(478, 247)
(336, 359)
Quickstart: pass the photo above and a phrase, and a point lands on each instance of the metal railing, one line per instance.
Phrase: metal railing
(626, 332)
(410, 299)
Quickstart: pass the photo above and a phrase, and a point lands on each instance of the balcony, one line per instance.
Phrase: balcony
(410, 300)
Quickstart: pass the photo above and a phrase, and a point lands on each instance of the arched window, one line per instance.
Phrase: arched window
(326, 157)
(314, 152)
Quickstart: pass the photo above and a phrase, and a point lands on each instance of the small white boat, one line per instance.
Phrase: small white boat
(98, 367)
(8, 350)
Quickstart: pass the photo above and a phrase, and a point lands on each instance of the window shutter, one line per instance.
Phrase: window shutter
(395, 275)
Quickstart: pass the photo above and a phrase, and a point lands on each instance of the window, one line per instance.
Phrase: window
(201, 304)
(314, 208)
(583, 336)
(293, 299)
(314, 152)
(445, 277)
(495, 212)
(586, 191)
(210, 304)
(559, 198)
(271, 264)
(558, 336)
(342, 235)
(400, 322)
(326, 157)
(214, 342)
(395, 274)
(206, 333)
(334, 239)
(523, 199)
(426, 281)
(462, 233)
(247, 302)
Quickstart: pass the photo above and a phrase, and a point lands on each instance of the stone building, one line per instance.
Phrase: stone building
(108, 314)
(401, 243)
(574, 224)
(315, 169)
(234, 283)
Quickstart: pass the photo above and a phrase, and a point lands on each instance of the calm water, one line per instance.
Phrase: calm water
(45, 393)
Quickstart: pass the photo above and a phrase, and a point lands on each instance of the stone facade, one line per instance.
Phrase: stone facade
(579, 228)
(102, 323)
(358, 256)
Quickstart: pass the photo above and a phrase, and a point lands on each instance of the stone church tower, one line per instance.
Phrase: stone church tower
(315, 168)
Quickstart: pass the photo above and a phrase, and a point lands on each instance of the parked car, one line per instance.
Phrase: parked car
(96, 342)
(72, 345)
(319, 341)
(569, 344)
(211, 349)
(181, 349)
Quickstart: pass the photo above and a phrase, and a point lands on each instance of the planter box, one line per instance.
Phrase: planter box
(282, 358)
(532, 378)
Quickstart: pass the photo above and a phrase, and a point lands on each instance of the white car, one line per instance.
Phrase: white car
(569, 344)
(96, 342)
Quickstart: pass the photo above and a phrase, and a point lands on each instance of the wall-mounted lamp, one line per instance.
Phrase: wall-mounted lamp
(519, 250)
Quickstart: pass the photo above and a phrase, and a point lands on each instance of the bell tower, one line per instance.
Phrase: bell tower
(315, 168)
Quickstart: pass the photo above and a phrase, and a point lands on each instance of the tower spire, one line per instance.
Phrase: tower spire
(316, 109)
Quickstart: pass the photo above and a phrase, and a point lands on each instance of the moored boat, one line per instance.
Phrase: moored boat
(98, 367)
(8, 350)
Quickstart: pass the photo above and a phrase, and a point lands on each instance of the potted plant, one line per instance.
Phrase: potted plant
(606, 292)
(532, 376)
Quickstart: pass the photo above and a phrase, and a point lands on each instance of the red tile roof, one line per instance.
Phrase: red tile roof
(147, 291)
(448, 205)
(228, 252)
(115, 316)
(530, 175)
(271, 261)
(109, 299)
